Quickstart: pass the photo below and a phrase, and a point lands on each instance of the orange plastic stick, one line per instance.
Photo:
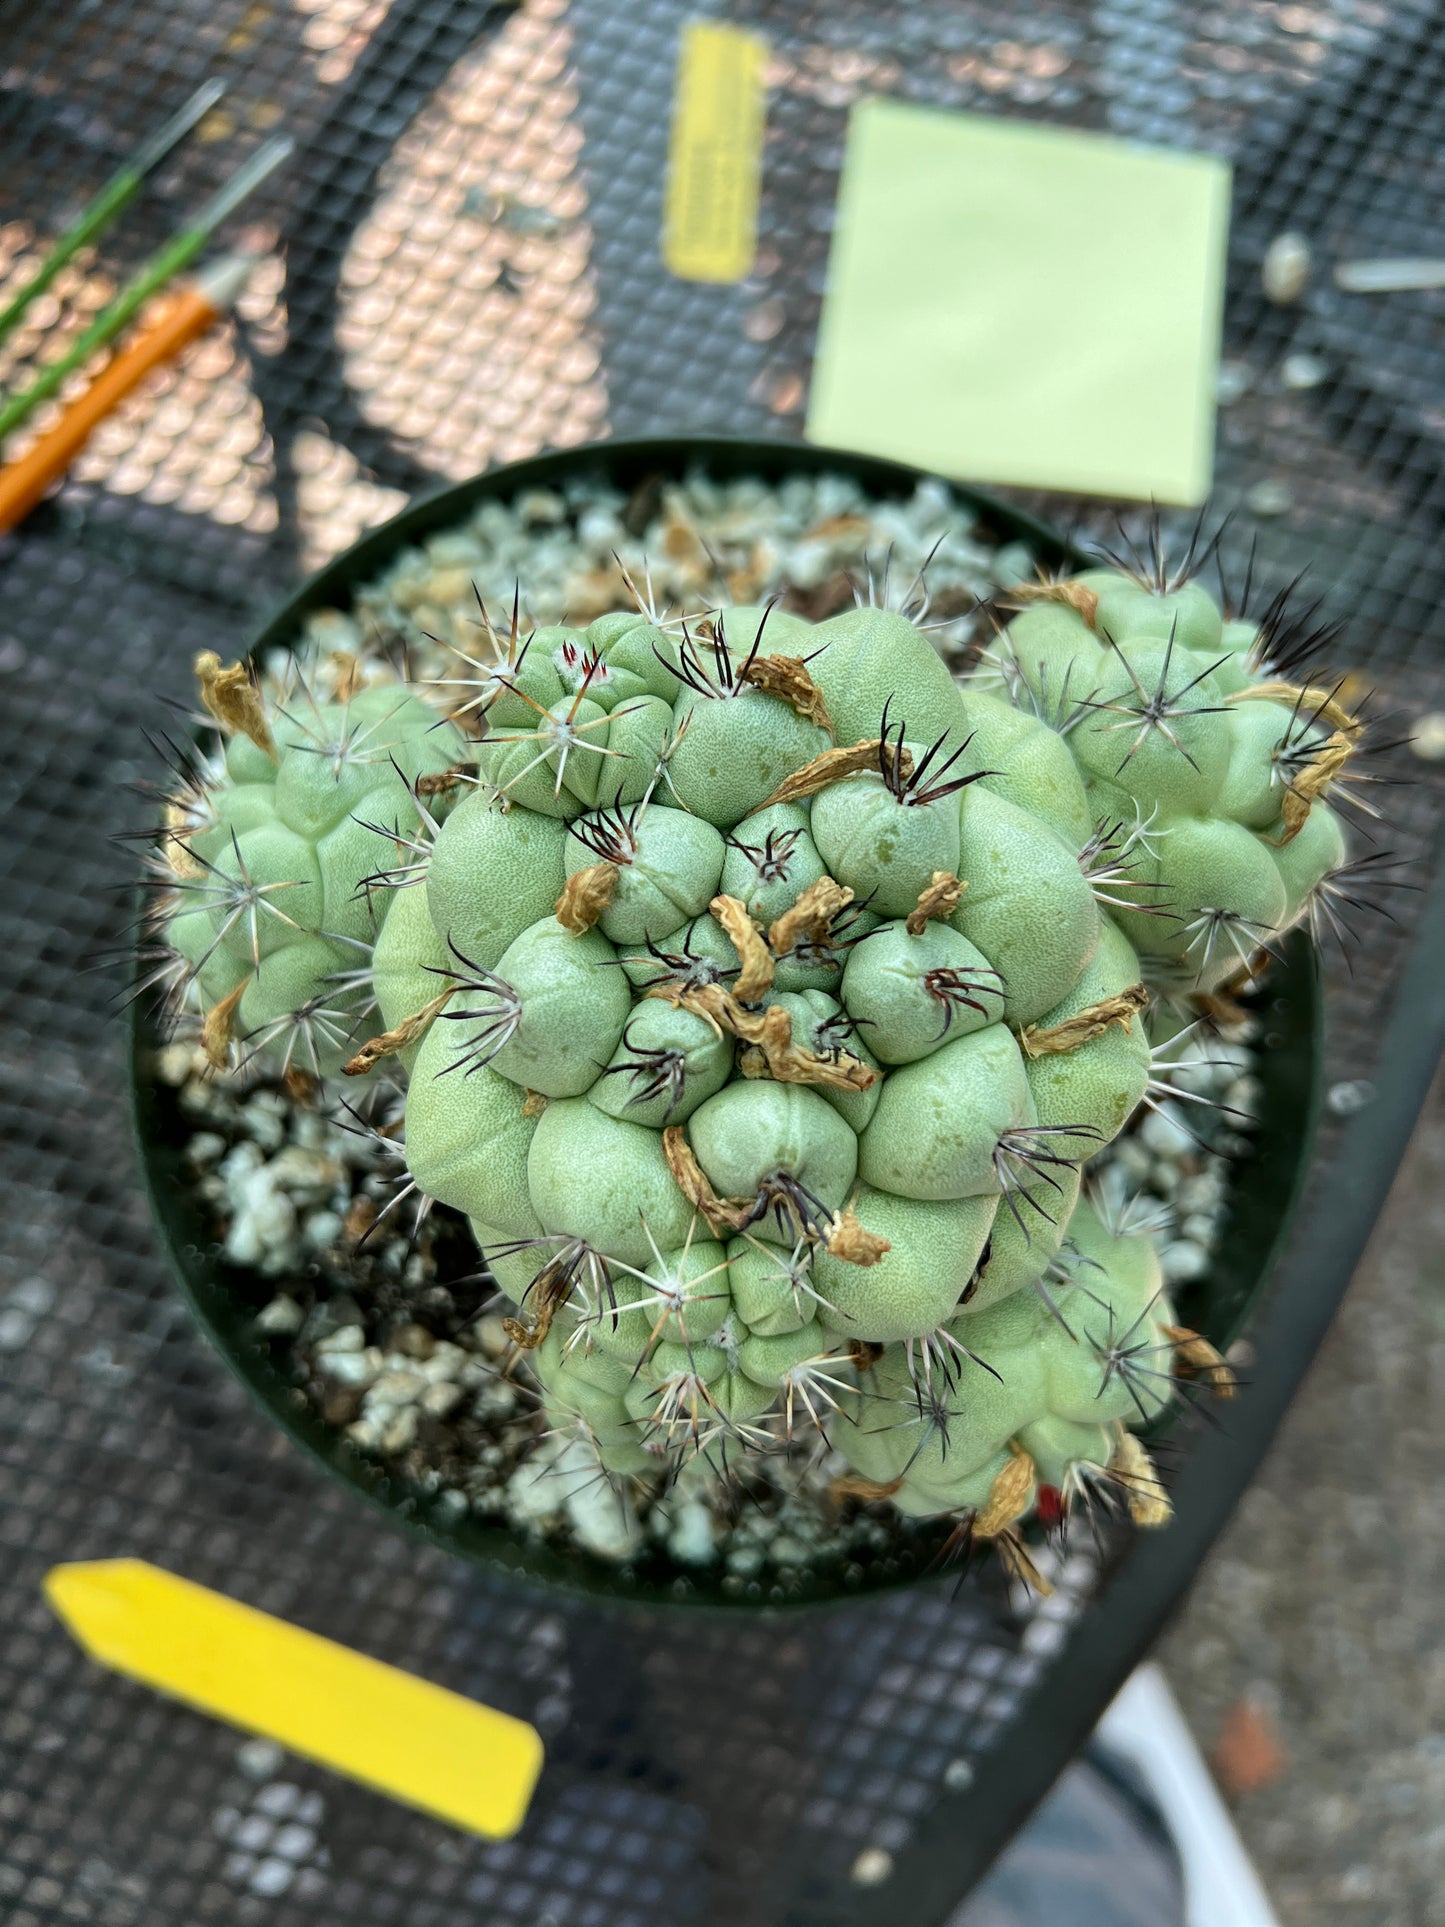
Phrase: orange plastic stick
(187, 314)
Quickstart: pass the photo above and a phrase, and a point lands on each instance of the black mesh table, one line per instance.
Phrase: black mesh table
(461, 267)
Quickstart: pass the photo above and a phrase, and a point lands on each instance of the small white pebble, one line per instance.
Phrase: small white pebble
(174, 1064)
(1303, 371)
(541, 505)
(365, 1434)
(446, 1362)
(346, 1338)
(271, 1878)
(1427, 739)
(253, 1833)
(17, 1328)
(1233, 382)
(1352, 1095)
(690, 1539)
(872, 1867)
(1269, 497)
(599, 526)
(810, 564)
(1286, 268)
(535, 1493)
(492, 1336)
(297, 1170)
(293, 1841)
(1243, 1095)
(240, 1161)
(206, 1147)
(600, 1515)
(957, 1775)
(260, 1759)
(495, 1399)
(1183, 1262)
(401, 1432)
(441, 1399)
(351, 1368)
(281, 1799)
(1134, 1159)
(35, 1295)
(397, 1388)
(1393, 275)
(265, 1116)
(1202, 1192)
(280, 1318)
(1163, 1132)
(322, 1229)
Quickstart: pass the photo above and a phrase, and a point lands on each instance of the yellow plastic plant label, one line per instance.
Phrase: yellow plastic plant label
(710, 217)
(1015, 303)
(416, 1742)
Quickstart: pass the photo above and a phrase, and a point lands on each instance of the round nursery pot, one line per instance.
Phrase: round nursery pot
(1261, 1198)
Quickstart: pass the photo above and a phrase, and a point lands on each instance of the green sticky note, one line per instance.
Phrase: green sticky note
(1012, 303)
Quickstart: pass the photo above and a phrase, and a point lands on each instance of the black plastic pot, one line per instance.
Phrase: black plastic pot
(1261, 1200)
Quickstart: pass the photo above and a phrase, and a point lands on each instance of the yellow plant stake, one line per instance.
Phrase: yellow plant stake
(417, 1742)
(710, 223)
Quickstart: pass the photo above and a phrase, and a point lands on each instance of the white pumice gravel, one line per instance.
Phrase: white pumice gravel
(390, 1338)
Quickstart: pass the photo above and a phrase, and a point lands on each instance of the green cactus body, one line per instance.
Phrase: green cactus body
(561, 1005)
(669, 866)
(279, 900)
(1015, 754)
(1024, 1240)
(881, 848)
(916, 994)
(1098, 1082)
(872, 660)
(934, 1246)
(1213, 772)
(734, 751)
(771, 859)
(667, 1062)
(832, 1163)
(1028, 908)
(492, 875)
(938, 1123)
(410, 963)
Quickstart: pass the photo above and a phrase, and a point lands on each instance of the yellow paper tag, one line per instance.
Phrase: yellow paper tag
(417, 1742)
(710, 221)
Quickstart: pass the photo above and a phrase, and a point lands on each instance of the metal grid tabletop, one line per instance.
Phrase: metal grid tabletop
(462, 267)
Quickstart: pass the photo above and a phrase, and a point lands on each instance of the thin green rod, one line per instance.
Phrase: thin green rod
(162, 267)
(117, 194)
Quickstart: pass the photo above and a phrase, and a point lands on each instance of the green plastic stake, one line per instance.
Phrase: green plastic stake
(163, 266)
(115, 196)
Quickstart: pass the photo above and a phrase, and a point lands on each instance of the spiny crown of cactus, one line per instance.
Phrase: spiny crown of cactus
(264, 911)
(763, 995)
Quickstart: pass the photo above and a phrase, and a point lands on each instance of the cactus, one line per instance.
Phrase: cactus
(763, 994)
(266, 852)
(1206, 760)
